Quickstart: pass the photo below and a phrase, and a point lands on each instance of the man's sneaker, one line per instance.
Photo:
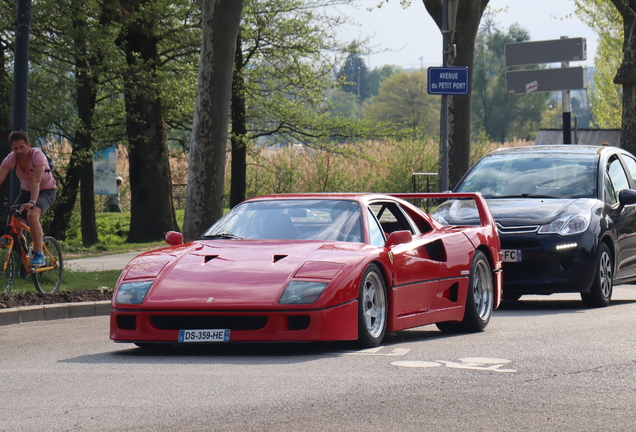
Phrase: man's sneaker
(38, 259)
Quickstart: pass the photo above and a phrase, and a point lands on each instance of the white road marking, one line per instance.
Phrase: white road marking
(415, 364)
(376, 352)
(471, 363)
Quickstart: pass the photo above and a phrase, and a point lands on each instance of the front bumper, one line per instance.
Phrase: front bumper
(331, 324)
(545, 267)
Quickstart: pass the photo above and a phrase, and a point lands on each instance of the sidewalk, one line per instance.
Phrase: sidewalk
(101, 263)
(70, 310)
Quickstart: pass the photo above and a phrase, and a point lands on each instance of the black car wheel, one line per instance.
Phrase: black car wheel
(479, 299)
(601, 292)
(372, 308)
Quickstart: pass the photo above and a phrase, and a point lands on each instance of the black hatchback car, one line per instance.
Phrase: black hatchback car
(566, 216)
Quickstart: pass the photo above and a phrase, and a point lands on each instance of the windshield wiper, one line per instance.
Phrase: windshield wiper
(222, 236)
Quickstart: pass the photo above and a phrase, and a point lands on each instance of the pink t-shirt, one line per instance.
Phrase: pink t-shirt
(37, 159)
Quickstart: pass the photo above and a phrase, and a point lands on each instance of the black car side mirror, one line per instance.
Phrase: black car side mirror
(627, 197)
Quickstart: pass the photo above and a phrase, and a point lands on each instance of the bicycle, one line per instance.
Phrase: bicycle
(15, 254)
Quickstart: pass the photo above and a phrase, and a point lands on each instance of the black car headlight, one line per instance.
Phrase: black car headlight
(568, 225)
(132, 292)
(302, 292)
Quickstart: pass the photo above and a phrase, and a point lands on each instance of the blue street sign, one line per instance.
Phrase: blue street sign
(448, 80)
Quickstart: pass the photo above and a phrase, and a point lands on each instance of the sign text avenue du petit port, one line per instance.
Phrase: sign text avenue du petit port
(448, 80)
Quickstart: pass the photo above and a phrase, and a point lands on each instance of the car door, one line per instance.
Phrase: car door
(416, 269)
(616, 179)
(626, 229)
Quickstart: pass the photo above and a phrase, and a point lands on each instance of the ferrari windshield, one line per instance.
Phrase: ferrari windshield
(308, 219)
(540, 175)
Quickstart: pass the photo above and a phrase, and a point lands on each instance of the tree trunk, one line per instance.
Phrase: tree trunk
(206, 174)
(67, 195)
(86, 99)
(626, 74)
(238, 138)
(151, 205)
(469, 15)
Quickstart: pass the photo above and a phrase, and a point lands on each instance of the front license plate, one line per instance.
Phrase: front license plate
(511, 255)
(206, 335)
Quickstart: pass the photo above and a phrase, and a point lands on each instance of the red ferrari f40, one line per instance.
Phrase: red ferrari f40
(314, 267)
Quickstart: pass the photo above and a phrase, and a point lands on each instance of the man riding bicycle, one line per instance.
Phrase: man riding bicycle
(37, 186)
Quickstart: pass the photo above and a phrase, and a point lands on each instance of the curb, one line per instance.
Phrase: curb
(53, 311)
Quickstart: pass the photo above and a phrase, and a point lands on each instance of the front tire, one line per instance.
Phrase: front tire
(601, 292)
(372, 308)
(479, 299)
(49, 281)
(7, 276)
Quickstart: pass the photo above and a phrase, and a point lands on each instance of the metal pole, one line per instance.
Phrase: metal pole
(567, 119)
(443, 184)
(565, 101)
(20, 78)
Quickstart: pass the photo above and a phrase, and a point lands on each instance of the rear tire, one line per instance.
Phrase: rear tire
(479, 299)
(601, 292)
(7, 276)
(48, 282)
(372, 308)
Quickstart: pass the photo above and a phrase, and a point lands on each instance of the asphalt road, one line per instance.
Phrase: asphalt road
(542, 365)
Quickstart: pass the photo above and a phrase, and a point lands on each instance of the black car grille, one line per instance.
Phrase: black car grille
(177, 322)
(528, 229)
(526, 245)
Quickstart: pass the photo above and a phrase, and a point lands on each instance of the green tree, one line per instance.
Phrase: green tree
(469, 15)
(404, 102)
(344, 104)
(282, 71)
(69, 57)
(500, 115)
(604, 95)
(626, 73)
(377, 75)
(147, 27)
(353, 76)
(599, 16)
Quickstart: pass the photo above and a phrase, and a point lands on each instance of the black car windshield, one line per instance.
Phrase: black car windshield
(540, 175)
(308, 219)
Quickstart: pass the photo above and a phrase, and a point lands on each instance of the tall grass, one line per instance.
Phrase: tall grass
(371, 166)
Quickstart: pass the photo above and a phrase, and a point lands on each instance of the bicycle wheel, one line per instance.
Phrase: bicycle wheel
(7, 266)
(48, 278)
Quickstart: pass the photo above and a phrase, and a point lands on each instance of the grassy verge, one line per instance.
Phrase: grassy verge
(112, 231)
(73, 281)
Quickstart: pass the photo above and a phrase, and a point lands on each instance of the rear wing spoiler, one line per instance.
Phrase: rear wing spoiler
(485, 216)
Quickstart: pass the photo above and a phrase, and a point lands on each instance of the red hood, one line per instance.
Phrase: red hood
(235, 274)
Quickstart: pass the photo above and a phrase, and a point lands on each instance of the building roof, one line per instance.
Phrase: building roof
(580, 136)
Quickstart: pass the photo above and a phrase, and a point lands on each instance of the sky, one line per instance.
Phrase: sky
(409, 38)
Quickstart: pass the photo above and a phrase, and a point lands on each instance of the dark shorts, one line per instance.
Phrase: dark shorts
(44, 201)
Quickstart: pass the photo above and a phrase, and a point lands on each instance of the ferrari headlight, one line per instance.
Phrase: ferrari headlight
(567, 225)
(302, 292)
(132, 292)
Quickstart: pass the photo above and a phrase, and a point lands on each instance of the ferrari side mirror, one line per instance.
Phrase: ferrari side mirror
(174, 238)
(399, 237)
